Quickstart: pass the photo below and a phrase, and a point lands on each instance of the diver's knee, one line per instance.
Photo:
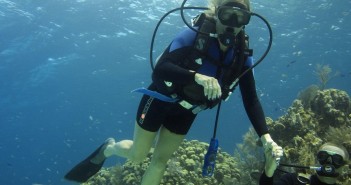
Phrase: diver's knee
(160, 160)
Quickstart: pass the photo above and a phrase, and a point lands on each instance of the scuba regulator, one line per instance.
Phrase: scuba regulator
(325, 170)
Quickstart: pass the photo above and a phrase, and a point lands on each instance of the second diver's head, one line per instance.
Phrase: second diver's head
(331, 157)
(231, 16)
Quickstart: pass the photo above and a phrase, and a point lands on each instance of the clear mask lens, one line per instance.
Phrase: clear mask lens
(337, 160)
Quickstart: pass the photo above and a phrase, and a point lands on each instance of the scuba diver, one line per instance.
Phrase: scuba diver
(197, 70)
(331, 158)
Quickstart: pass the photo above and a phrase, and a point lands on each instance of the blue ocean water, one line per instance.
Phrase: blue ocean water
(67, 68)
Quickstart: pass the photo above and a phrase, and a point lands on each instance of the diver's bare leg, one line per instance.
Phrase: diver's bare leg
(167, 144)
(135, 150)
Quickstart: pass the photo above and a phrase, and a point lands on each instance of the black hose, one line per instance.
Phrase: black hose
(295, 166)
(268, 47)
(160, 21)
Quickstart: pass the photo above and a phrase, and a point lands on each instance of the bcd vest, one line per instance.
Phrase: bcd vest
(225, 73)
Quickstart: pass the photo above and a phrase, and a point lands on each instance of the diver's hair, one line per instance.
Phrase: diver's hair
(338, 146)
(213, 4)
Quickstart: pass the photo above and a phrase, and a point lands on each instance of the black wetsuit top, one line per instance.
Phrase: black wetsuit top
(169, 68)
(288, 179)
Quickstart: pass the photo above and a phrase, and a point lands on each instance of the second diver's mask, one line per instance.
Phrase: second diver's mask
(231, 18)
(330, 161)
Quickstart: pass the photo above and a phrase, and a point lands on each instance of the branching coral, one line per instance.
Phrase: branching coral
(307, 95)
(339, 135)
(322, 72)
(250, 158)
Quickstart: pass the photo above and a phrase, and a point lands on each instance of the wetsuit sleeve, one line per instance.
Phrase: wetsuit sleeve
(286, 179)
(252, 104)
(169, 67)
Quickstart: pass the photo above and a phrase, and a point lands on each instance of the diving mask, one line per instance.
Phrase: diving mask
(336, 159)
(233, 16)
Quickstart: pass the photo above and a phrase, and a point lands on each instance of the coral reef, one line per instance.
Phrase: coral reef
(333, 106)
(318, 116)
(107, 176)
(307, 95)
(302, 131)
(184, 168)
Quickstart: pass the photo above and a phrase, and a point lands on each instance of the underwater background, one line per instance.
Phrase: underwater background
(67, 68)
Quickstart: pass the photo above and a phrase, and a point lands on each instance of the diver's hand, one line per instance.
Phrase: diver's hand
(273, 153)
(212, 89)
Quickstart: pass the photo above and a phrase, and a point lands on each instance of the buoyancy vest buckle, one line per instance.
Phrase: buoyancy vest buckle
(195, 109)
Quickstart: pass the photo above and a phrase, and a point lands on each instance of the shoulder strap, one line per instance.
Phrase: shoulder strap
(202, 41)
(206, 25)
(242, 52)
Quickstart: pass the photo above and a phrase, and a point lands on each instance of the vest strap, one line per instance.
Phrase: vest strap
(173, 99)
